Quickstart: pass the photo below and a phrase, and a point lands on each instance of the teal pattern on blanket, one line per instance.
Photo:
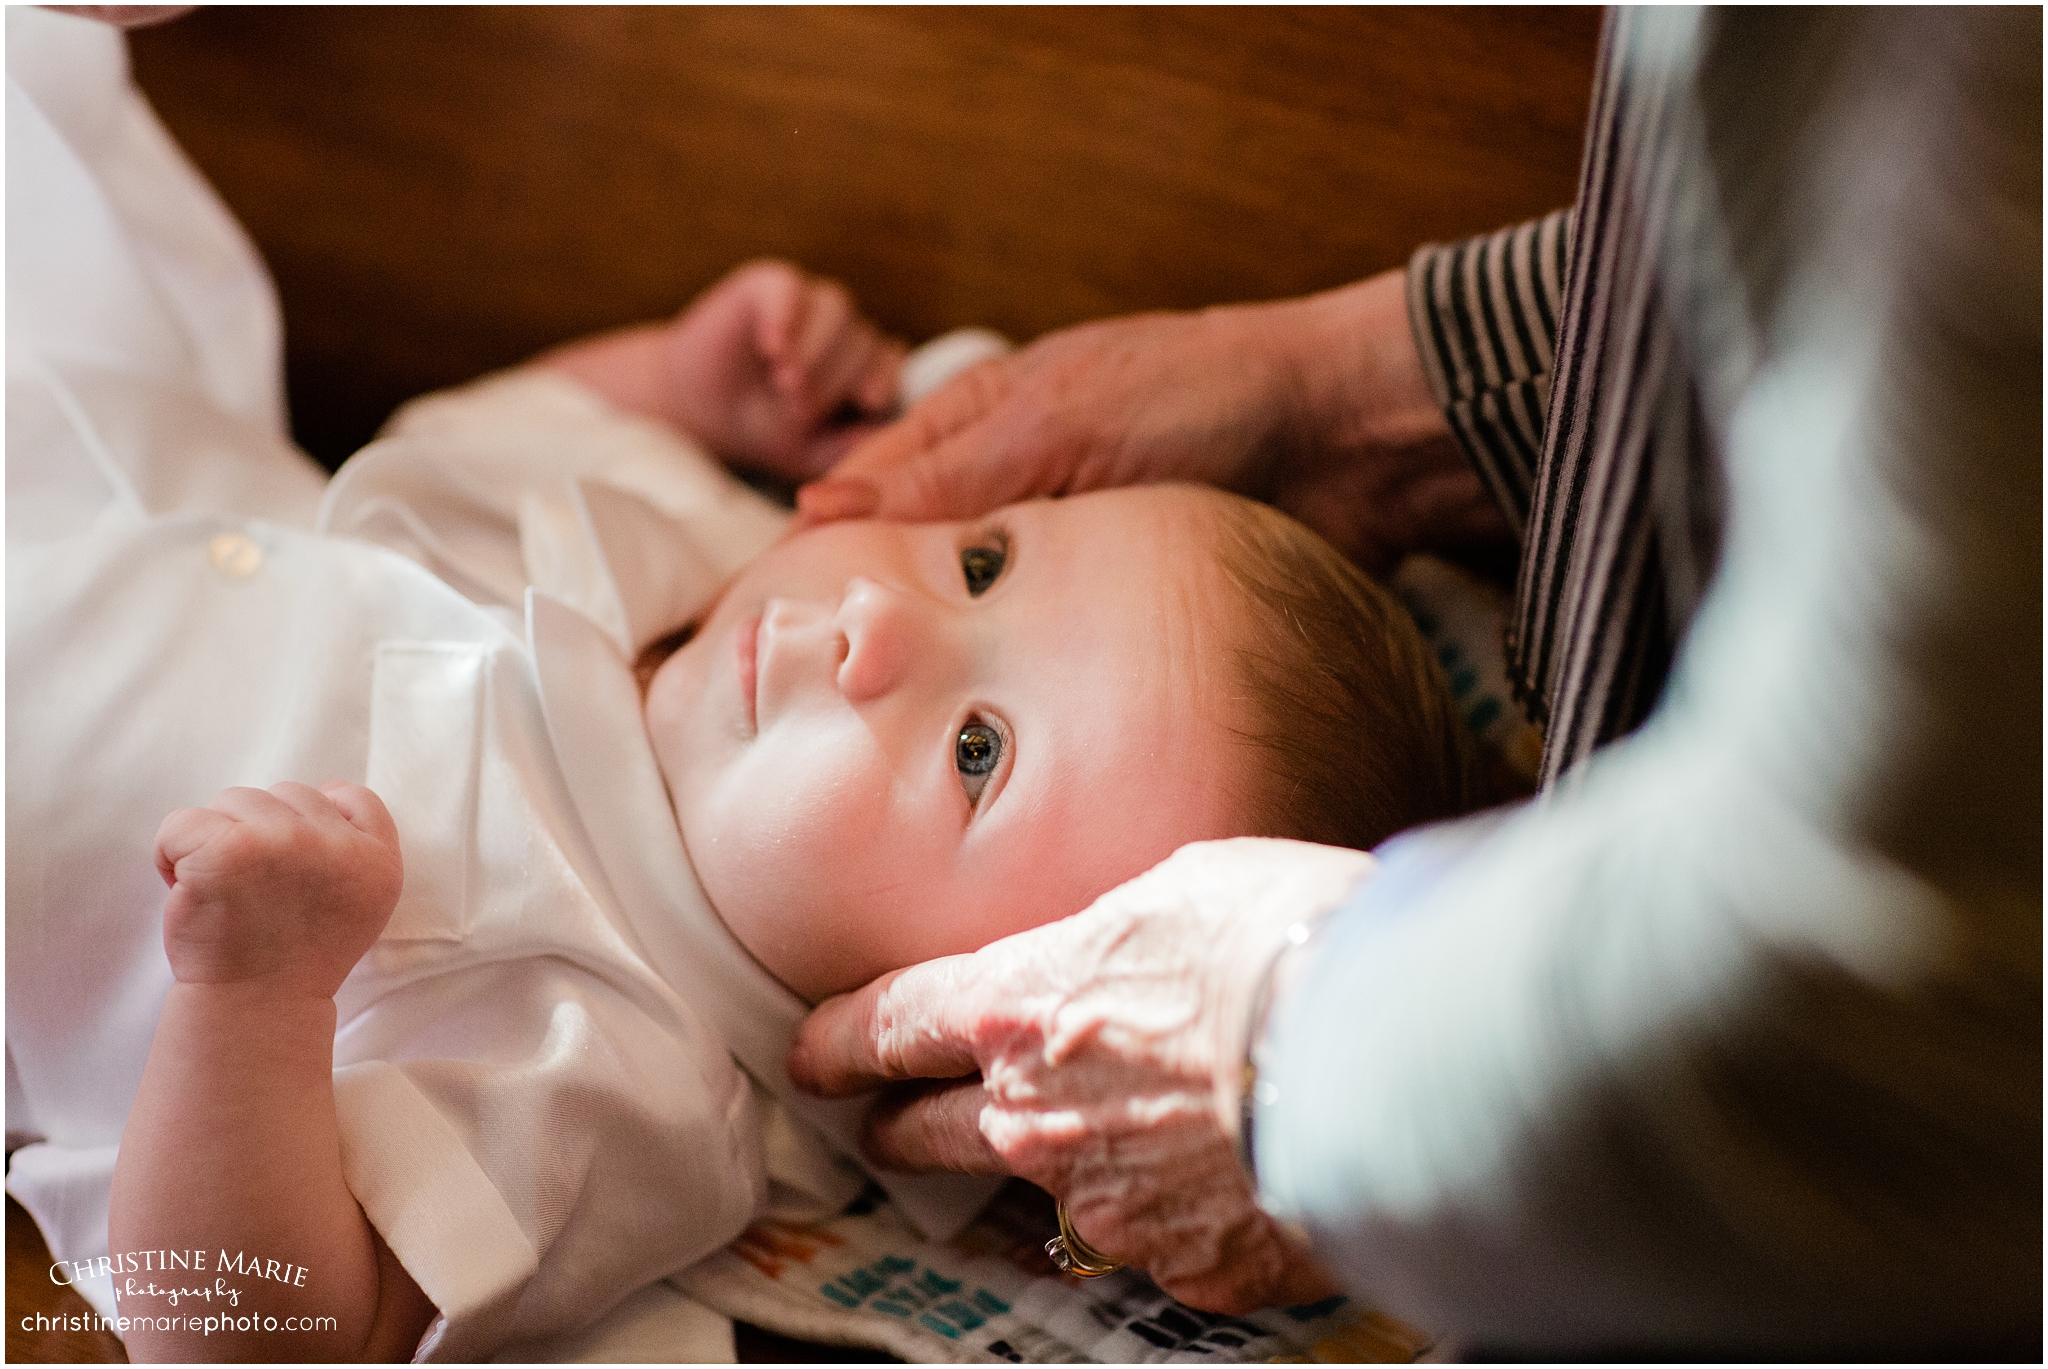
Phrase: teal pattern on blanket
(990, 1295)
(900, 1287)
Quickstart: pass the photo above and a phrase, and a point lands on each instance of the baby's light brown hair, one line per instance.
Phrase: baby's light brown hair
(1352, 727)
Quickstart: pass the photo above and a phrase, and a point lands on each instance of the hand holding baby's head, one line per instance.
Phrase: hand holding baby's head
(889, 742)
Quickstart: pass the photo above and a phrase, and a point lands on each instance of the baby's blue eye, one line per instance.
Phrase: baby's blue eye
(975, 753)
(981, 566)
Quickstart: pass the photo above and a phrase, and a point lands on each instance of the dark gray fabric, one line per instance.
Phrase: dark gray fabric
(1732, 1042)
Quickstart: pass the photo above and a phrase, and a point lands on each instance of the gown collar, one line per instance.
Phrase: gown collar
(595, 721)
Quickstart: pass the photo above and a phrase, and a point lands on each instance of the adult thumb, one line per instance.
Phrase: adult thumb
(943, 459)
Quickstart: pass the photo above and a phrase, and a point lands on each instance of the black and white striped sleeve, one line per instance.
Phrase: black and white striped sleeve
(1484, 312)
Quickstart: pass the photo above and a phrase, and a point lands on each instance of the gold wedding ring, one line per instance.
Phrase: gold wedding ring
(1074, 1255)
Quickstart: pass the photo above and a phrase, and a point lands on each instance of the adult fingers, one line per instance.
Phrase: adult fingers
(910, 438)
(1286, 1276)
(949, 457)
(184, 832)
(1303, 1280)
(909, 1024)
(876, 390)
(931, 1127)
(833, 498)
(827, 448)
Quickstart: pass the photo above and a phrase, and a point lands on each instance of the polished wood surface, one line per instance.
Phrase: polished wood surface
(46, 1322)
(445, 190)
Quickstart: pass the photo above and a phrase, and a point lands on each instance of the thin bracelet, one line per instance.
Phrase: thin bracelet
(1256, 1092)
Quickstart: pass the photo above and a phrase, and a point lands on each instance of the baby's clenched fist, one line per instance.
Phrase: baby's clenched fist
(288, 888)
(777, 371)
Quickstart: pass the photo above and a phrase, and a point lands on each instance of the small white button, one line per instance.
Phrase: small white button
(234, 555)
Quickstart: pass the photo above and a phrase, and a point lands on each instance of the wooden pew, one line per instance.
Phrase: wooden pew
(441, 191)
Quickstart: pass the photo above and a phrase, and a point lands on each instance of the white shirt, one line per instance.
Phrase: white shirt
(535, 1067)
(537, 1049)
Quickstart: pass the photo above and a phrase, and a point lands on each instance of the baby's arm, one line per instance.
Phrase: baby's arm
(773, 369)
(233, 1144)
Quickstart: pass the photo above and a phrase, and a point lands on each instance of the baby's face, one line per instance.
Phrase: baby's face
(892, 741)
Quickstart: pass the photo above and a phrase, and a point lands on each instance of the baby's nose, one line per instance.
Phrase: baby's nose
(879, 626)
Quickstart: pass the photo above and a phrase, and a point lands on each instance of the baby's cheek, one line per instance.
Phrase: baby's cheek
(801, 872)
(943, 904)
(999, 907)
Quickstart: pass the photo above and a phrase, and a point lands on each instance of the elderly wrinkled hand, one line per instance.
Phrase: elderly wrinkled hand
(1317, 405)
(1192, 397)
(1110, 1048)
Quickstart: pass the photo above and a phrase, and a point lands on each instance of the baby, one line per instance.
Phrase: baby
(464, 1064)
